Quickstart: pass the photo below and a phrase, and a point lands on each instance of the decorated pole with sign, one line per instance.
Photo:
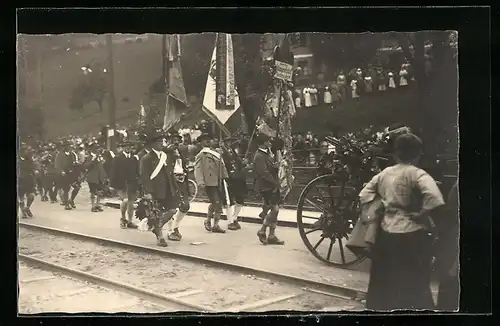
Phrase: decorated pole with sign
(283, 67)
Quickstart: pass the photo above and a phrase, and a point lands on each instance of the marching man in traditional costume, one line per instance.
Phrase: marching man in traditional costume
(96, 177)
(66, 167)
(236, 181)
(125, 179)
(158, 183)
(77, 174)
(180, 167)
(210, 173)
(26, 181)
(267, 184)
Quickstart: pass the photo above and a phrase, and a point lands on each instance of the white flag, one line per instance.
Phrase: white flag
(231, 99)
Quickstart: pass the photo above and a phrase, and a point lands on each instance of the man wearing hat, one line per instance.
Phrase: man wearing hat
(26, 181)
(77, 173)
(65, 165)
(158, 182)
(48, 176)
(267, 184)
(236, 180)
(96, 177)
(179, 163)
(125, 179)
(210, 172)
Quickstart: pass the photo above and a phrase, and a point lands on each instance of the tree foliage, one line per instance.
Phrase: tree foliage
(344, 51)
(92, 86)
(436, 73)
(31, 122)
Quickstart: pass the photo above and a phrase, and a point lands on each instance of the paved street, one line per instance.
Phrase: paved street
(240, 247)
(42, 291)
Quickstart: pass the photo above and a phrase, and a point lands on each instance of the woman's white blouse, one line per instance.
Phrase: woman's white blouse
(399, 186)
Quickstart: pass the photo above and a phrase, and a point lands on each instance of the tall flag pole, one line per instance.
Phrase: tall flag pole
(175, 93)
(221, 99)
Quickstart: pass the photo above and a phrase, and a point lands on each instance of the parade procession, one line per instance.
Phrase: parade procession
(293, 182)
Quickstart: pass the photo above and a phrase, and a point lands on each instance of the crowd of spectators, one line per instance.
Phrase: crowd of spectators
(353, 84)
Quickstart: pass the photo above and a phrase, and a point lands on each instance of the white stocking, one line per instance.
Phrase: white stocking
(229, 214)
(237, 210)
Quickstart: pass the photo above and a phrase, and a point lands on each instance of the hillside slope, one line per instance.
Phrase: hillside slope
(136, 65)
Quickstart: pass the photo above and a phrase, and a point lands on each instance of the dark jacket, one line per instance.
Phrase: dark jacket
(47, 164)
(163, 185)
(108, 162)
(265, 172)
(233, 163)
(125, 172)
(95, 170)
(143, 152)
(27, 167)
(173, 155)
(64, 162)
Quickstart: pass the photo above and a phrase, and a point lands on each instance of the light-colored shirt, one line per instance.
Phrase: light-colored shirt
(403, 187)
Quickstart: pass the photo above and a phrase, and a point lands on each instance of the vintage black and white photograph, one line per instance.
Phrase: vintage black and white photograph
(217, 172)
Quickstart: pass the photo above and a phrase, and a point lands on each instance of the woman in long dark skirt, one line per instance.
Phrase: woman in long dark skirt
(401, 263)
(447, 258)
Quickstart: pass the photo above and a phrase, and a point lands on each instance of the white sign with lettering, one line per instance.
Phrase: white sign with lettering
(284, 71)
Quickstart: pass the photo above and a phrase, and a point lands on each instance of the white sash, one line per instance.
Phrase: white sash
(161, 163)
(209, 151)
(112, 154)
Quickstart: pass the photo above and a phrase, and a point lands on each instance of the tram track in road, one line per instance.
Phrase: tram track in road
(83, 283)
(206, 285)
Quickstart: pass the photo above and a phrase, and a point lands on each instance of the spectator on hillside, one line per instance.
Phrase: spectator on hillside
(342, 85)
(307, 97)
(392, 83)
(314, 95)
(327, 95)
(336, 94)
(354, 89)
(381, 81)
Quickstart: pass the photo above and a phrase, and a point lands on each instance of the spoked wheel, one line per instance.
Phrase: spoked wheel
(193, 190)
(326, 214)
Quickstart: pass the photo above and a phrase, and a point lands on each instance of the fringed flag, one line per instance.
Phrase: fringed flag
(176, 99)
(221, 99)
